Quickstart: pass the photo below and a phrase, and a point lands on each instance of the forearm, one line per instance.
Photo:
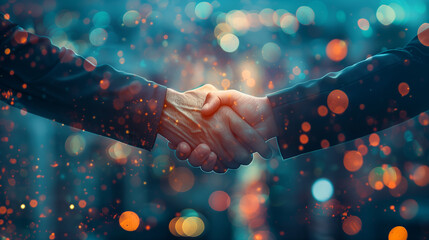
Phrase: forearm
(374, 101)
(60, 85)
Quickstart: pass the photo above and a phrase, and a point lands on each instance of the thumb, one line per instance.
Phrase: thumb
(215, 100)
(211, 105)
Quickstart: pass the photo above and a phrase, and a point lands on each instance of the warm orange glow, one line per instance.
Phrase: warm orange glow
(172, 226)
(424, 119)
(7, 51)
(90, 64)
(409, 209)
(303, 139)
(82, 203)
(33, 203)
(353, 161)
(104, 84)
(305, 126)
(336, 50)
(423, 34)
(324, 143)
(3, 210)
(129, 221)
(421, 176)
(249, 204)
(219, 201)
(374, 140)
(225, 83)
(375, 178)
(322, 110)
(398, 233)
(20, 37)
(392, 177)
(181, 179)
(352, 225)
(338, 101)
(403, 88)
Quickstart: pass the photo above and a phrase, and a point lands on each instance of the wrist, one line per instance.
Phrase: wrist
(269, 119)
(176, 122)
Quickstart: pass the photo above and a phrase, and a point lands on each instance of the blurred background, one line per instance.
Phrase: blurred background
(60, 183)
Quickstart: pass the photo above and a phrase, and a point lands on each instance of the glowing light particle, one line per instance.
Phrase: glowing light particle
(336, 50)
(385, 15)
(33, 203)
(403, 89)
(374, 139)
(352, 225)
(375, 178)
(129, 221)
(82, 203)
(271, 52)
(353, 161)
(131, 18)
(71, 206)
(421, 176)
(423, 34)
(203, 10)
(98, 37)
(181, 179)
(424, 119)
(398, 233)
(23, 206)
(219, 201)
(305, 15)
(322, 189)
(289, 24)
(338, 101)
(322, 111)
(363, 24)
(229, 42)
(75, 144)
(193, 226)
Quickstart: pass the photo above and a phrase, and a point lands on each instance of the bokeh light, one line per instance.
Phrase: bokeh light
(229, 42)
(385, 15)
(338, 101)
(352, 225)
(398, 233)
(423, 34)
(305, 15)
(322, 189)
(219, 201)
(129, 221)
(336, 50)
(203, 10)
(353, 161)
(271, 52)
(131, 18)
(181, 179)
(409, 209)
(75, 144)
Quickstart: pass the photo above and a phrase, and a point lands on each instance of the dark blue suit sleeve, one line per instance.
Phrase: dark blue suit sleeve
(60, 85)
(374, 100)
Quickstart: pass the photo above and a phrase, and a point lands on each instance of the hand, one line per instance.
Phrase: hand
(256, 111)
(230, 138)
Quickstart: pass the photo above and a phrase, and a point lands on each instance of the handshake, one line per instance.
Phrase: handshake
(217, 130)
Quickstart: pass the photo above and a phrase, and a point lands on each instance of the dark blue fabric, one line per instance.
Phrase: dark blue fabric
(373, 82)
(60, 85)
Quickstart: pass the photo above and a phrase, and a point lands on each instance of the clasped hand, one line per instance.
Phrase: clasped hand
(217, 130)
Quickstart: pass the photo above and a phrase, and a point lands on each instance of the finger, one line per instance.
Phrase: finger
(249, 137)
(183, 151)
(172, 146)
(199, 155)
(214, 100)
(210, 162)
(236, 153)
(220, 168)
